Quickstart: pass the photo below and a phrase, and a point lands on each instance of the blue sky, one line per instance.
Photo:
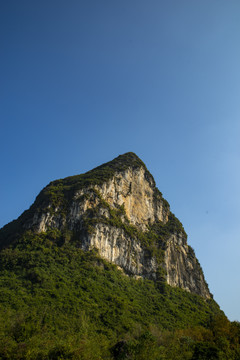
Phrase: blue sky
(84, 81)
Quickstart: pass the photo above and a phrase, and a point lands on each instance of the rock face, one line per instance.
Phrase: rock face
(182, 267)
(117, 209)
(138, 195)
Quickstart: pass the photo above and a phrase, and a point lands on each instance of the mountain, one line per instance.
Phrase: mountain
(100, 268)
(117, 209)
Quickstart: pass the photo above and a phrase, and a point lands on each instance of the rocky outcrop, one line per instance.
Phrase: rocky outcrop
(118, 210)
(115, 246)
(182, 267)
(142, 203)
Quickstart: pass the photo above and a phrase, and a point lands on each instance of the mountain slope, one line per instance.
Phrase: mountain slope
(117, 209)
(99, 268)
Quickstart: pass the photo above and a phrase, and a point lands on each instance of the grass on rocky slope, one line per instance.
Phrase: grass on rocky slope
(97, 176)
(59, 192)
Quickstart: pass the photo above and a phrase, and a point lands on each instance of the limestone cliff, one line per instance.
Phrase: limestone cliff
(117, 209)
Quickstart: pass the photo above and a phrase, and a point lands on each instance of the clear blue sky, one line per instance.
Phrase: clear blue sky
(84, 81)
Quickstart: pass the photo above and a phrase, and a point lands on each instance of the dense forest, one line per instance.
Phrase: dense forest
(59, 302)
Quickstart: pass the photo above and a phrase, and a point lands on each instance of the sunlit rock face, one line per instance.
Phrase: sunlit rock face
(142, 204)
(114, 216)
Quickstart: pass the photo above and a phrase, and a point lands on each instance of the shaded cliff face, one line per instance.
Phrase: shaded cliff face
(117, 209)
(182, 267)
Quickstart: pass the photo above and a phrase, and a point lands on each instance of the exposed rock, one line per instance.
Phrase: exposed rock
(116, 208)
(115, 246)
(142, 203)
(182, 267)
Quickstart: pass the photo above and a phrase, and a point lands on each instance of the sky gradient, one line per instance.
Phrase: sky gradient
(84, 81)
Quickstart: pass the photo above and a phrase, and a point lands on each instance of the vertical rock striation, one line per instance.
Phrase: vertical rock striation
(117, 209)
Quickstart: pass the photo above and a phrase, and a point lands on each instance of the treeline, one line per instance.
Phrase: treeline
(23, 340)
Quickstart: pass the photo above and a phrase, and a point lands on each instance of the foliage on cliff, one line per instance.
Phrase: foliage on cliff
(58, 302)
(60, 192)
(69, 185)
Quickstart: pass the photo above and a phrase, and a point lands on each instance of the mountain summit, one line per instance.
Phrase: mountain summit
(117, 209)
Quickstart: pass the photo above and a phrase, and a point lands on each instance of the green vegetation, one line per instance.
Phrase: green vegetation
(153, 240)
(97, 176)
(59, 193)
(58, 302)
